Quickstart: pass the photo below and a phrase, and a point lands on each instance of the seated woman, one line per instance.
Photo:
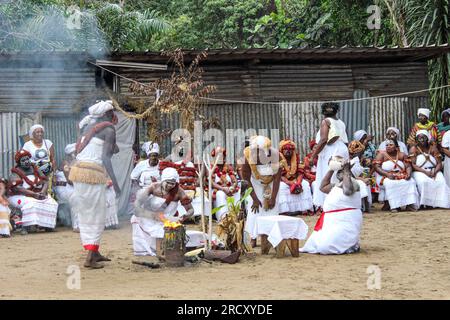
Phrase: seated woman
(29, 189)
(295, 193)
(394, 178)
(427, 165)
(147, 171)
(423, 114)
(5, 225)
(154, 205)
(224, 183)
(338, 229)
(356, 149)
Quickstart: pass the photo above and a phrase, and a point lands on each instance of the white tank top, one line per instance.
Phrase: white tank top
(337, 128)
(92, 152)
(38, 153)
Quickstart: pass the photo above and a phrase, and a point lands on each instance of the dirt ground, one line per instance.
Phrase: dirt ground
(411, 250)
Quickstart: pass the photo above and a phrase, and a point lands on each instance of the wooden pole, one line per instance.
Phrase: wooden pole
(201, 174)
(210, 174)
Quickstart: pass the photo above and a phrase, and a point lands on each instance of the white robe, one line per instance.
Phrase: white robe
(63, 194)
(146, 227)
(399, 193)
(341, 230)
(433, 192)
(338, 148)
(357, 171)
(446, 162)
(258, 187)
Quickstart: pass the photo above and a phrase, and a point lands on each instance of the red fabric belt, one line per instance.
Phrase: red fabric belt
(319, 223)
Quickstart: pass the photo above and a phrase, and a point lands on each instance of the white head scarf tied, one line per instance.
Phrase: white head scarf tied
(70, 148)
(150, 147)
(96, 111)
(359, 134)
(170, 174)
(424, 111)
(34, 128)
(425, 133)
(395, 130)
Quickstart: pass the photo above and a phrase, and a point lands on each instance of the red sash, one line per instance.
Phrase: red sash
(319, 223)
(89, 135)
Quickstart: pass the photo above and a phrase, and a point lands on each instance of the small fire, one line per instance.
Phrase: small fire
(169, 224)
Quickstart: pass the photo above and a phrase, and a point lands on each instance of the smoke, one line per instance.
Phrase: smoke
(44, 54)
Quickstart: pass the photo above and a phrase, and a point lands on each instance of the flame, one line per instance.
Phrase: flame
(169, 224)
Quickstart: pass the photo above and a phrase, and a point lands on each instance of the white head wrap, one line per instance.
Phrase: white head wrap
(424, 132)
(170, 174)
(33, 128)
(150, 147)
(70, 148)
(260, 142)
(359, 134)
(96, 111)
(424, 111)
(395, 130)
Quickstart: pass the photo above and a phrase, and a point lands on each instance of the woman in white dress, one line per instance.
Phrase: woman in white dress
(427, 165)
(295, 193)
(331, 141)
(154, 205)
(262, 171)
(446, 150)
(394, 178)
(42, 150)
(29, 193)
(338, 229)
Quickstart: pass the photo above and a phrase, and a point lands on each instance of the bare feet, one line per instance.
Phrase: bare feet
(91, 263)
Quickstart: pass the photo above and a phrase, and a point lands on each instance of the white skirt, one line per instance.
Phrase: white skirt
(432, 192)
(336, 149)
(340, 232)
(36, 212)
(446, 164)
(400, 193)
(288, 202)
(250, 223)
(88, 203)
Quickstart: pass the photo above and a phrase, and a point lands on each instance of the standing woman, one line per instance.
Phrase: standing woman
(331, 141)
(444, 125)
(41, 150)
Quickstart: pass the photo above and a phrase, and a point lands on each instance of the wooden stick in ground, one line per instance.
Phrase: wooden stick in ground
(201, 173)
(210, 174)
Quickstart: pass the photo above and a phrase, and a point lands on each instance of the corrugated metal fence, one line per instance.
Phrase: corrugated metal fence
(61, 131)
(9, 141)
(300, 120)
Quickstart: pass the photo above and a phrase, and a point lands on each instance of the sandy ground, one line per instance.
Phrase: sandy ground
(411, 250)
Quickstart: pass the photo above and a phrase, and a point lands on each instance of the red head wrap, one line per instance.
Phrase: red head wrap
(20, 154)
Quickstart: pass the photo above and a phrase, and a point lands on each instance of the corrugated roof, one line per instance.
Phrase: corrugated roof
(316, 54)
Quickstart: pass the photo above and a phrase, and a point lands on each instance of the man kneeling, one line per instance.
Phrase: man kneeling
(338, 228)
(154, 205)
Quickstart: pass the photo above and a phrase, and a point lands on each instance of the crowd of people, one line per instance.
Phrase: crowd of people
(339, 179)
